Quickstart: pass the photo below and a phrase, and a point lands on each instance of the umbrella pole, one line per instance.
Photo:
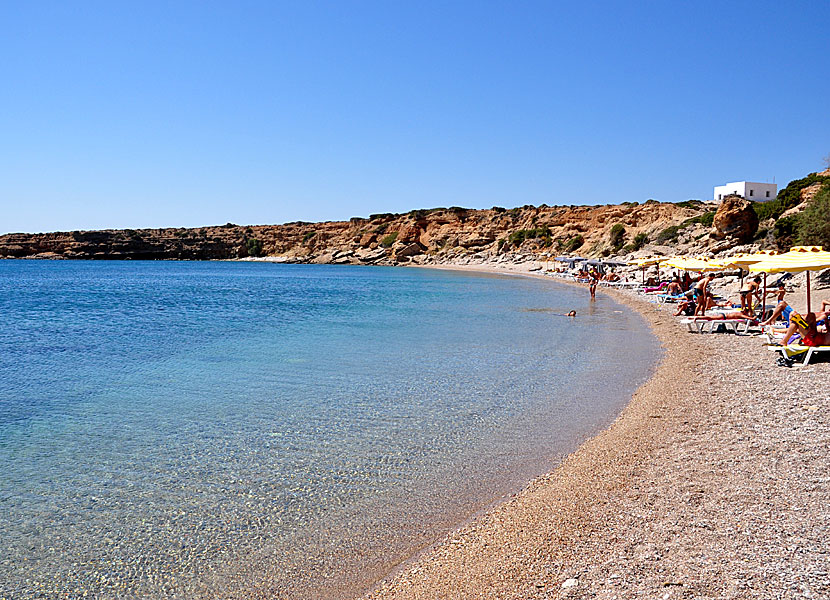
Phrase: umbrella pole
(808, 291)
(644, 275)
(764, 300)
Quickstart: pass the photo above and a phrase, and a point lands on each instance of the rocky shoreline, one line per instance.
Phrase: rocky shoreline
(712, 483)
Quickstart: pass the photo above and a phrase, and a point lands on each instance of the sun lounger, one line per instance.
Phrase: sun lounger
(796, 349)
(624, 284)
(663, 298)
(699, 326)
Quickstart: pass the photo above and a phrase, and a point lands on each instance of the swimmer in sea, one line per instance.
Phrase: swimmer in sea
(571, 314)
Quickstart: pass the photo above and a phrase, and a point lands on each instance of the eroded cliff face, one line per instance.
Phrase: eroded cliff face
(430, 235)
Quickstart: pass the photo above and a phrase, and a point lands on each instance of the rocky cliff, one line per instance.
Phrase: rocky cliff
(418, 236)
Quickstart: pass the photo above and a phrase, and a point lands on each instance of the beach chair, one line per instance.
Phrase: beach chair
(796, 349)
(733, 325)
(664, 298)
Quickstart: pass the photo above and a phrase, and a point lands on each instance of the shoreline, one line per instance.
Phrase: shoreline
(604, 522)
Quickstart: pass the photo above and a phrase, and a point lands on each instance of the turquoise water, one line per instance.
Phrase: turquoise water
(203, 430)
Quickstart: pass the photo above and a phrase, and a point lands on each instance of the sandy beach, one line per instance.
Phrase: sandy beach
(713, 483)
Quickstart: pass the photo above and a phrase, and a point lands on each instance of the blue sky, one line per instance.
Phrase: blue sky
(184, 114)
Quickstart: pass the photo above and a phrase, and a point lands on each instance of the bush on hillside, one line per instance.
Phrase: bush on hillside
(519, 236)
(669, 234)
(640, 240)
(574, 243)
(814, 222)
(787, 198)
(254, 247)
(706, 219)
(617, 236)
(389, 239)
(785, 231)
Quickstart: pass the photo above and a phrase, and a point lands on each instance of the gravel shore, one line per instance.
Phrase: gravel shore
(714, 482)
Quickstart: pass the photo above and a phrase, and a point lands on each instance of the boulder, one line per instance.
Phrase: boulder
(408, 234)
(735, 219)
(407, 250)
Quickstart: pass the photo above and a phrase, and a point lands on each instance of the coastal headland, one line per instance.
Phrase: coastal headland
(712, 483)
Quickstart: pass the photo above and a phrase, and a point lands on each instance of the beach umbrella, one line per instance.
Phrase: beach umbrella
(742, 261)
(647, 262)
(798, 259)
(693, 264)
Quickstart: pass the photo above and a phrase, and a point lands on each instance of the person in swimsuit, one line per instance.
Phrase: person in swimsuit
(700, 291)
(737, 314)
(592, 284)
(674, 288)
(810, 335)
(748, 290)
(783, 310)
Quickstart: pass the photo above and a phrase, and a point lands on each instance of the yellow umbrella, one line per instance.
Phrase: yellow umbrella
(798, 259)
(646, 262)
(743, 260)
(693, 264)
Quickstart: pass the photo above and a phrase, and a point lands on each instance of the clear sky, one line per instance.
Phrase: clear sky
(144, 114)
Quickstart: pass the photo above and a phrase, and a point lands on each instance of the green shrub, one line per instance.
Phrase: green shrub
(617, 236)
(389, 239)
(814, 223)
(651, 201)
(519, 236)
(640, 240)
(254, 247)
(669, 234)
(787, 198)
(308, 235)
(574, 243)
(381, 229)
(785, 230)
(690, 203)
(706, 219)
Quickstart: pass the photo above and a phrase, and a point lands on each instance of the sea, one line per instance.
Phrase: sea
(260, 430)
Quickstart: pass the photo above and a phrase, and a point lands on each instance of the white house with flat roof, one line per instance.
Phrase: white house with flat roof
(757, 192)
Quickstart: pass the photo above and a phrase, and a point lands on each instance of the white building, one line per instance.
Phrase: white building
(758, 192)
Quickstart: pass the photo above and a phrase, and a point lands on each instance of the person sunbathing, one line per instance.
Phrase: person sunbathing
(806, 326)
(735, 314)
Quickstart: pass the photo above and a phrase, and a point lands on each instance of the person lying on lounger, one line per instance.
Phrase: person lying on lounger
(806, 326)
(735, 314)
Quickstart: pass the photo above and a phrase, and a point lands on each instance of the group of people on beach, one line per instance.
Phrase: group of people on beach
(696, 297)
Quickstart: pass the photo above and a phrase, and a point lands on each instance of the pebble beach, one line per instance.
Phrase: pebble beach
(712, 483)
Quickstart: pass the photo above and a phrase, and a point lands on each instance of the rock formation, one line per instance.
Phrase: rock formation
(735, 219)
(418, 236)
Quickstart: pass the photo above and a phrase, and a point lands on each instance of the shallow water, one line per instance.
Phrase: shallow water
(185, 430)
